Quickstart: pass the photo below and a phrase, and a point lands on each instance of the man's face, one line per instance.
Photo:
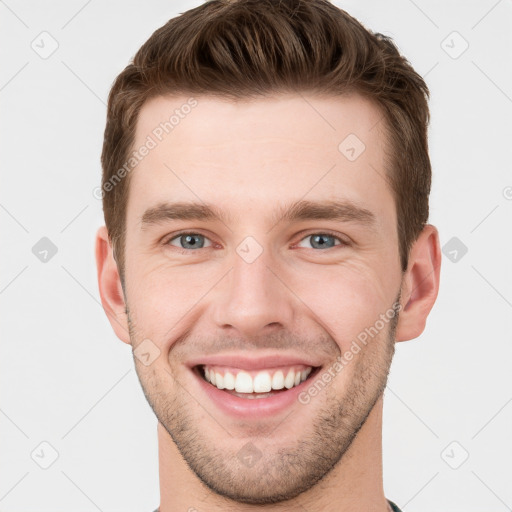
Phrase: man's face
(273, 297)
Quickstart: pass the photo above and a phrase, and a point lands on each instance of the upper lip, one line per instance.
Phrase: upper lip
(252, 363)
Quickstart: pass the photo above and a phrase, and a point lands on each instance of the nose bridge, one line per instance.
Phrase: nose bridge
(252, 297)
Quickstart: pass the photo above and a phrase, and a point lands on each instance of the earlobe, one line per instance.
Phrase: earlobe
(420, 284)
(109, 283)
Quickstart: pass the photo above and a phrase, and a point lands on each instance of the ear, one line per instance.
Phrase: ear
(109, 282)
(420, 284)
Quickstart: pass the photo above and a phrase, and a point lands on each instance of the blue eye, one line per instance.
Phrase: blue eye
(190, 241)
(322, 240)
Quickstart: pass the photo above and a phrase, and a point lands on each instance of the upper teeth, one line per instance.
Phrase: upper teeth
(256, 382)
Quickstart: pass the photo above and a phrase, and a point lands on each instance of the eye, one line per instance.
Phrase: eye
(322, 240)
(189, 241)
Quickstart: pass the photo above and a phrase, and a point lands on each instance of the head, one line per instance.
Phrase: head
(266, 180)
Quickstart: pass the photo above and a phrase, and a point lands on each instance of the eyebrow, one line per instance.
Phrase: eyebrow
(297, 211)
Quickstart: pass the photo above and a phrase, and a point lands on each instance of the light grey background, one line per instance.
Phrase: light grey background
(68, 381)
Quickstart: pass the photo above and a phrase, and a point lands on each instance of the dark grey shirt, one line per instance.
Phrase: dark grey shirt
(394, 507)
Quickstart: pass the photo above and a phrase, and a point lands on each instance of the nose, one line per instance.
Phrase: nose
(254, 298)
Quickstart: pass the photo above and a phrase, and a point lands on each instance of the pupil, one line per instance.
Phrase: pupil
(320, 240)
(189, 239)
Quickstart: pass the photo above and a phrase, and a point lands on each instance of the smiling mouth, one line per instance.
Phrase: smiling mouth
(255, 384)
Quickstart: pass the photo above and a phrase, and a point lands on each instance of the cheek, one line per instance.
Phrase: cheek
(160, 296)
(345, 300)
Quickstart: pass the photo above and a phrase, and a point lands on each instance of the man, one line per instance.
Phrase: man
(266, 180)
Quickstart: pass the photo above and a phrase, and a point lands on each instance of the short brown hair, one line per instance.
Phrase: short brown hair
(250, 48)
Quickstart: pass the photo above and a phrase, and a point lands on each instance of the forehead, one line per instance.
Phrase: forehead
(207, 120)
(256, 152)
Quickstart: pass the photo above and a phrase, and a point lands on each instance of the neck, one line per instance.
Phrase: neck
(355, 483)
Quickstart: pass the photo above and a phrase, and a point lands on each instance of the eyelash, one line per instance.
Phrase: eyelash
(188, 251)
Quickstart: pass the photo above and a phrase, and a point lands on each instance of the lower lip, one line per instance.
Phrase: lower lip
(252, 407)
